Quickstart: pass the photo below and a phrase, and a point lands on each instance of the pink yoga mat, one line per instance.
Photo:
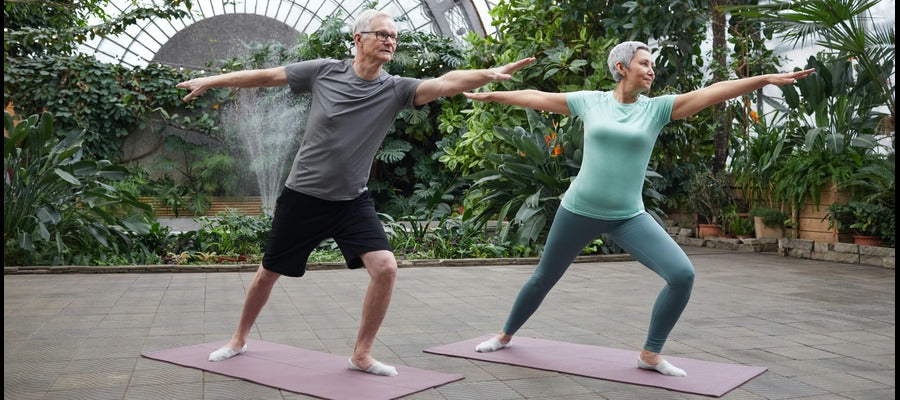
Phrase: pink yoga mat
(303, 371)
(704, 377)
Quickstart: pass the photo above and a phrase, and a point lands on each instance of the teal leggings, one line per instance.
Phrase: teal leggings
(641, 237)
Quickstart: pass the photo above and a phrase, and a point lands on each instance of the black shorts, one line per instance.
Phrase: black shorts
(302, 222)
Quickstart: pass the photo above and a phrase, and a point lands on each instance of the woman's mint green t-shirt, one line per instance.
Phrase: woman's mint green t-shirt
(618, 140)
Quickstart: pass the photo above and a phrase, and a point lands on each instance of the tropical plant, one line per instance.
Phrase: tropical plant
(57, 206)
(864, 219)
(756, 158)
(711, 195)
(771, 217)
(835, 116)
(232, 233)
(738, 224)
(846, 29)
(531, 180)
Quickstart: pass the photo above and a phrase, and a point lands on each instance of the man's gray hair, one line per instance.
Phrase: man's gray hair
(623, 53)
(364, 20)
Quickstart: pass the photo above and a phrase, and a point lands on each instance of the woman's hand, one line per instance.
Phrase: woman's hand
(480, 96)
(788, 78)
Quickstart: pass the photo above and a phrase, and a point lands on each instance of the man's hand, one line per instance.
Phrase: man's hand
(195, 86)
(505, 72)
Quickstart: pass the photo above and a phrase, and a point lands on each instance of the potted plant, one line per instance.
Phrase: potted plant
(739, 224)
(710, 198)
(869, 222)
(768, 222)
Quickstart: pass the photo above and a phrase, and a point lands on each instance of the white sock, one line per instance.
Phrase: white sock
(377, 368)
(493, 344)
(663, 367)
(225, 353)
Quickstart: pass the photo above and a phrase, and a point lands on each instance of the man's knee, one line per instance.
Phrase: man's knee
(381, 265)
(266, 277)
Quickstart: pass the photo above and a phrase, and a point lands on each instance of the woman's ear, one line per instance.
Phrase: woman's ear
(621, 68)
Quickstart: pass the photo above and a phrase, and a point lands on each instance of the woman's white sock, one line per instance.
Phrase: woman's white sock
(377, 368)
(663, 367)
(488, 346)
(225, 353)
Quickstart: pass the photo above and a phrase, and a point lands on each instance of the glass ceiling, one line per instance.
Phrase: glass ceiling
(140, 42)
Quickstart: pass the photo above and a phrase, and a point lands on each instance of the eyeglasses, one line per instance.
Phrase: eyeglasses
(383, 36)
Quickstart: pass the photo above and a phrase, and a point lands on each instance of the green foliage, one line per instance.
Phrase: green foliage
(841, 111)
(738, 224)
(874, 182)
(845, 29)
(757, 157)
(865, 219)
(35, 28)
(59, 207)
(531, 179)
(771, 217)
(107, 101)
(711, 195)
(232, 233)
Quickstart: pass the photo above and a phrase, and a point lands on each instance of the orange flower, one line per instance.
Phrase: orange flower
(549, 138)
(754, 116)
(522, 153)
(216, 106)
(557, 150)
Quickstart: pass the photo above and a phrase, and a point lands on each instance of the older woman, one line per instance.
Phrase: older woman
(620, 130)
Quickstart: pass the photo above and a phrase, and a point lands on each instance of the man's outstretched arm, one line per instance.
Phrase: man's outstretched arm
(238, 79)
(458, 81)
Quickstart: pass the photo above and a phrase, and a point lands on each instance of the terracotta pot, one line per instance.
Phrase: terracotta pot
(707, 230)
(867, 240)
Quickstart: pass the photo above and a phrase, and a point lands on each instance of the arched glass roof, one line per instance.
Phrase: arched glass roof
(138, 45)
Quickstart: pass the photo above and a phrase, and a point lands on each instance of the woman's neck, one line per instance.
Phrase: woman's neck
(624, 94)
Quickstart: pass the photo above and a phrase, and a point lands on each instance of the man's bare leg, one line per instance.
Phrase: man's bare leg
(382, 268)
(257, 296)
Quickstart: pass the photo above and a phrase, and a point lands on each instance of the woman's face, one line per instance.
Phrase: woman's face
(640, 72)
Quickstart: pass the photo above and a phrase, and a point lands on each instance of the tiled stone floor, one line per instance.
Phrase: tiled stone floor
(825, 330)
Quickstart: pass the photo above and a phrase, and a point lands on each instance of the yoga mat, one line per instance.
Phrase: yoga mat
(703, 377)
(303, 371)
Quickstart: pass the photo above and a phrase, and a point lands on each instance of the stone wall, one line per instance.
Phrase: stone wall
(798, 248)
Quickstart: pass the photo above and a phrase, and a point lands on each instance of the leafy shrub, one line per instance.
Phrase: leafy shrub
(771, 217)
(58, 207)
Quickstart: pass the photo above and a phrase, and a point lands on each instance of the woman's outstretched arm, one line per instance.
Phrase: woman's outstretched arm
(690, 103)
(534, 99)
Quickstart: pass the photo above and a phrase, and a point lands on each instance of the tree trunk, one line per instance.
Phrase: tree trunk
(720, 111)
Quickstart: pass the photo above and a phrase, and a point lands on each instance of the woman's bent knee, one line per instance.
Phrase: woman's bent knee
(684, 277)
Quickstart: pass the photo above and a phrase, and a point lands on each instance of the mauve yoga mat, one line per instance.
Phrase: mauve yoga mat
(303, 371)
(703, 377)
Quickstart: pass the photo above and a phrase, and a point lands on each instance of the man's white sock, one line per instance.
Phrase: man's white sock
(225, 353)
(377, 368)
(493, 344)
(663, 367)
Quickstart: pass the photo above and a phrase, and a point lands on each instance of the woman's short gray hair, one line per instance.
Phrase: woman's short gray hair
(623, 53)
(364, 20)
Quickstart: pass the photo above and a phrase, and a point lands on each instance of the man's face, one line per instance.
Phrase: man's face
(370, 46)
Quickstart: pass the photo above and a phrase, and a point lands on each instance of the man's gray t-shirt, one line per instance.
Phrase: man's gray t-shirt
(348, 119)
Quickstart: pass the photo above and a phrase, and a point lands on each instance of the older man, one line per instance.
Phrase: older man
(354, 102)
